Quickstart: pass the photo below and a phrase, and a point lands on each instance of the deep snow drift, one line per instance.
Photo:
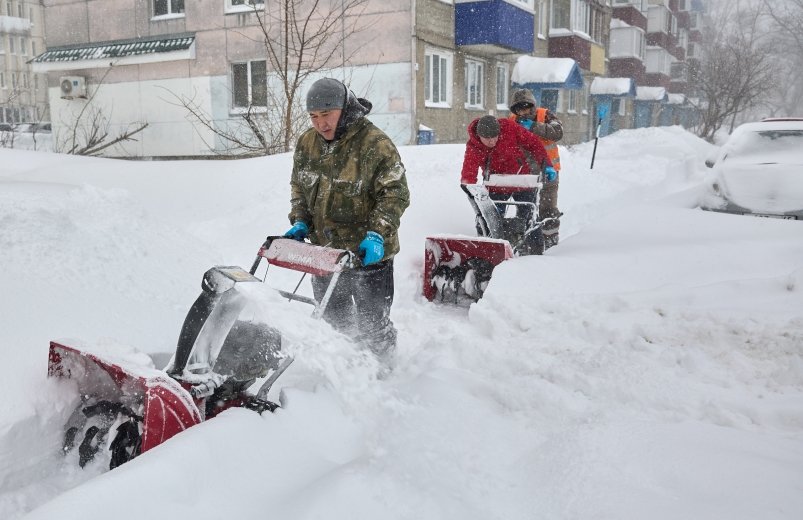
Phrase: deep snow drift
(650, 366)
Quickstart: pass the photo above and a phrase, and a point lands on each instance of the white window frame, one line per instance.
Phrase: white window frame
(542, 20)
(503, 86)
(580, 18)
(475, 77)
(249, 77)
(169, 14)
(572, 102)
(445, 60)
(561, 101)
(247, 6)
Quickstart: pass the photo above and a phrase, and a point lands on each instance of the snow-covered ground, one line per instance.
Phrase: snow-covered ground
(650, 366)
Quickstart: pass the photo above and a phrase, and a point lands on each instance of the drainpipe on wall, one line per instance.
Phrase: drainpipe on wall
(413, 78)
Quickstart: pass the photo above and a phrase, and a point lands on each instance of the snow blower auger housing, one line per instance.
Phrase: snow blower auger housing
(128, 407)
(457, 269)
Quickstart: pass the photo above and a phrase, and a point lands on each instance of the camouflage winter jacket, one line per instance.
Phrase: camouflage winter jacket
(345, 188)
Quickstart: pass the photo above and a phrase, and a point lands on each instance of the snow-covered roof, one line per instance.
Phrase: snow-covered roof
(531, 71)
(613, 87)
(676, 99)
(651, 93)
(619, 24)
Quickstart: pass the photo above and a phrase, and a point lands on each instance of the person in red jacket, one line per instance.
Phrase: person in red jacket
(501, 146)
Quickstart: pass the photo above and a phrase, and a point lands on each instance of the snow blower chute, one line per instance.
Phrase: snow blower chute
(128, 407)
(457, 269)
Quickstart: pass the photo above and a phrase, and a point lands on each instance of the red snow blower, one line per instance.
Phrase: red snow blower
(457, 269)
(128, 407)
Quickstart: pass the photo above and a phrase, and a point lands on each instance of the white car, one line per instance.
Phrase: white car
(759, 171)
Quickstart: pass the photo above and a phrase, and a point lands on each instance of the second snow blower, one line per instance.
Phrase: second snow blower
(457, 269)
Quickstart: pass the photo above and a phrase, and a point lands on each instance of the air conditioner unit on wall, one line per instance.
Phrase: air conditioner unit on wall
(72, 87)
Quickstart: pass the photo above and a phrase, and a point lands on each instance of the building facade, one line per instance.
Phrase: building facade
(429, 66)
(23, 93)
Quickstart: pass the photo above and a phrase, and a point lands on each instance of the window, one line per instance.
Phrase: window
(11, 45)
(526, 3)
(249, 84)
(549, 99)
(501, 86)
(437, 78)
(25, 83)
(561, 14)
(14, 80)
(2, 80)
(475, 83)
(244, 5)
(619, 106)
(168, 7)
(33, 48)
(2, 44)
(542, 22)
(573, 102)
(574, 15)
(23, 46)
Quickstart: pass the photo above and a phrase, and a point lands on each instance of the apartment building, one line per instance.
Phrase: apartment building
(429, 66)
(23, 93)
(656, 42)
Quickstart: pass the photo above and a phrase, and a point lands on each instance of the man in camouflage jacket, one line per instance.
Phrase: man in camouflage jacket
(348, 191)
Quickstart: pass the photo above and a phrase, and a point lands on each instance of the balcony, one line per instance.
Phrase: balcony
(658, 61)
(489, 27)
(14, 25)
(626, 42)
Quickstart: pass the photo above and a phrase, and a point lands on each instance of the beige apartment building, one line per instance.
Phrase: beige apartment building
(428, 66)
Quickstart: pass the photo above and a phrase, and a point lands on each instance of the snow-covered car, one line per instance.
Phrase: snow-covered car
(759, 171)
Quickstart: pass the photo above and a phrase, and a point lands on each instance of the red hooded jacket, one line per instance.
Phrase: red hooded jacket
(507, 157)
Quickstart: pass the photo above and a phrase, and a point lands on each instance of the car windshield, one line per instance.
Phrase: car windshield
(776, 145)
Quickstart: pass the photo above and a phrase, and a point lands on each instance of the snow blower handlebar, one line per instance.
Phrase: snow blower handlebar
(304, 257)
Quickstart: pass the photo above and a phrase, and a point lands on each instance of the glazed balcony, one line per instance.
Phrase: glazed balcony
(494, 26)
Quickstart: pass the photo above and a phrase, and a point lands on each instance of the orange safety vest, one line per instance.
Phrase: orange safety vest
(551, 146)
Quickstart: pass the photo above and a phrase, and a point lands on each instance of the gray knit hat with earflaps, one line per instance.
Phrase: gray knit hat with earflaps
(522, 96)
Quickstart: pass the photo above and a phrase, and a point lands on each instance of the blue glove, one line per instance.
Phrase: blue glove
(372, 248)
(526, 123)
(550, 173)
(299, 231)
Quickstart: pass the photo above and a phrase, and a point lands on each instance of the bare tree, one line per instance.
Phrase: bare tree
(302, 39)
(8, 131)
(787, 24)
(88, 131)
(737, 65)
